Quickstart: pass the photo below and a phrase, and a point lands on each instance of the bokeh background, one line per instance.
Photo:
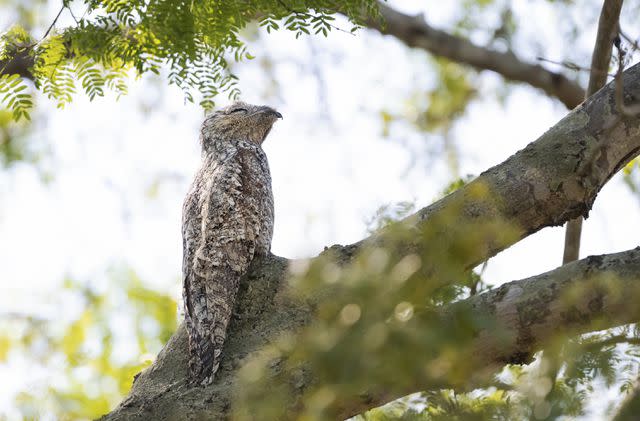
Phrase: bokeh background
(91, 194)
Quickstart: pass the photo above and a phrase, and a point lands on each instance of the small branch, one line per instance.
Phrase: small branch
(571, 66)
(572, 237)
(75, 19)
(55, 20)
(607, 31)
(634, 43)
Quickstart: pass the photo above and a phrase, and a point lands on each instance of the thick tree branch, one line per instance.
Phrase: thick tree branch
(607, 31)
(415, 32)
(552, 180)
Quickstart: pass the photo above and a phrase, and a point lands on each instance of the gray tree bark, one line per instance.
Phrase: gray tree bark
(552, 180)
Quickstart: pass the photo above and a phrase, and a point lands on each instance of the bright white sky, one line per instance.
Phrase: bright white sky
(331, 166)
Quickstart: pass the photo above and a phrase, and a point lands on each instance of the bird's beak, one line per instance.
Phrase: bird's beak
(269, 110)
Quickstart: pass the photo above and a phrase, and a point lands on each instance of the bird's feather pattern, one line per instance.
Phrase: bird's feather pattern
(227, 220)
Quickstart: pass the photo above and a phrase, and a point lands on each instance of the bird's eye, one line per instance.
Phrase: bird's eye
(235, 110)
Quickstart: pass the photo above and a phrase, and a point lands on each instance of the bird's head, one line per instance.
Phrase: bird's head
(239, 121)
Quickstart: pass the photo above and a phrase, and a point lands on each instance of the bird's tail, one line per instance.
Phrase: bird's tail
(207, 320)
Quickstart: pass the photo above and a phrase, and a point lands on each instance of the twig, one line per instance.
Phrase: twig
(55, 20)
(635, 46)
(74, 16)
(572, 66)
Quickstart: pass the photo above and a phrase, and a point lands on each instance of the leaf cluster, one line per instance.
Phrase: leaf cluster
(194, 40)
(91, 359)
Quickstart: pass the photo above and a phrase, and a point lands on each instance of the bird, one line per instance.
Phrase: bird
(227, 220)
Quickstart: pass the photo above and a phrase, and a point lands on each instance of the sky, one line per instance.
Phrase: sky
(119, 169)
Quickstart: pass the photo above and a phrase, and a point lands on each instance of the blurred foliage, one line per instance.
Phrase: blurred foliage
(631, 177)
(450, 97)
(386, 214)
(193, 39)
(91, 360)
(367, 340)
(27, 12)
(436, 109)
(387, 307)
(14, 146)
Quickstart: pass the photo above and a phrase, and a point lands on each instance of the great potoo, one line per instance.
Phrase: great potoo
(227, 220)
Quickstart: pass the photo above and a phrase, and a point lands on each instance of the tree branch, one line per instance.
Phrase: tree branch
(415, 32)
(527, 313)
(552, 180)
(607, 31)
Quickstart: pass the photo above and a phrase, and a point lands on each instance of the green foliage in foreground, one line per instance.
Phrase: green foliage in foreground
(89, 361)
(194, 39)
(384, 332)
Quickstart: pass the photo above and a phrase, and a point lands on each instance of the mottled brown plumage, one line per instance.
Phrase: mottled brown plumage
(227, 220)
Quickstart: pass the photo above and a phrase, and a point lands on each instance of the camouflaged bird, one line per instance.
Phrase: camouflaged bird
(227, 220)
